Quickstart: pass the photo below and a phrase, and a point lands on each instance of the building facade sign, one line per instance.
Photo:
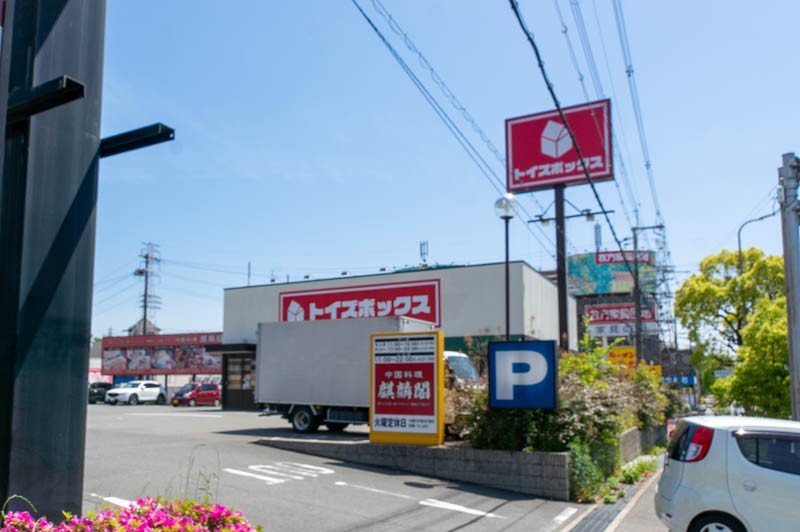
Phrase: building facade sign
(162, 354)
(618, 319)
(418, 300)
(607, 272)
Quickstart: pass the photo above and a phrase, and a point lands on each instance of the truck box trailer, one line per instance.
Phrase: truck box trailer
(315, 372)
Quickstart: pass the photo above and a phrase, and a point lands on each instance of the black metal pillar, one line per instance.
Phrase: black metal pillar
(637, 300)
(507, 219)
(47, 229)
(561, 269)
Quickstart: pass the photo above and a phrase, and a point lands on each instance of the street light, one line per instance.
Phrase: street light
(504, 209)
(739, 236)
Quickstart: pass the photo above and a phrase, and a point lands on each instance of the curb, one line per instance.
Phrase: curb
(634, 500)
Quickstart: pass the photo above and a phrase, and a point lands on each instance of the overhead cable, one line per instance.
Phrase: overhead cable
(483, 166)
(551, 90)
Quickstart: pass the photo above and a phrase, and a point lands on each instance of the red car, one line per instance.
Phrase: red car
(198, 393)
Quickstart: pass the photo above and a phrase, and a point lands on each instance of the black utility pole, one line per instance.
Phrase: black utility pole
(637, 297)
(637, 290)
(51, 68)
(561, 269)
(150, 257)
(52, 59)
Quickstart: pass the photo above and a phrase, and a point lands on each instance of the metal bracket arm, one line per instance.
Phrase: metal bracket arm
(137, 138)
(50, 94)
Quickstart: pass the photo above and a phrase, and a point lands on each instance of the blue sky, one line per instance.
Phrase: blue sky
(302, 147)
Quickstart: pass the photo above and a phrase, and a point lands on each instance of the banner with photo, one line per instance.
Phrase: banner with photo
(165, 354)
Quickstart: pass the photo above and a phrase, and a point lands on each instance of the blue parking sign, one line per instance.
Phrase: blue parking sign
(523, 375)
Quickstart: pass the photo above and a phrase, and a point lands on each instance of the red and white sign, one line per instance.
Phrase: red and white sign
(618, 319)
(152, 340)
(405, 387)
(419, 300)
(161, 354)
(617, 257)
(540, 152)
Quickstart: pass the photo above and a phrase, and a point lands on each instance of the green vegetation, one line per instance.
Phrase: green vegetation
(598, 401)
(738, 319)
(635, 471)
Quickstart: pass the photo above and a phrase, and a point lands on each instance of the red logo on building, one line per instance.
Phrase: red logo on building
(419, 300)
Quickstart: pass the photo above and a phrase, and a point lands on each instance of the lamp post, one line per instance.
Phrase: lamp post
(739, 236)
(504, 209)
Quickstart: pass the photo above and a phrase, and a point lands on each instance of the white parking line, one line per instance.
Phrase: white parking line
(433, 503)
(114, 500)
(268, 480)
(457, 508)
(171, 414)
(374, 490)
(564, 515)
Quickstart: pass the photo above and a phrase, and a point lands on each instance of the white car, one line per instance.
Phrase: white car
(135, 392)
(731, 473)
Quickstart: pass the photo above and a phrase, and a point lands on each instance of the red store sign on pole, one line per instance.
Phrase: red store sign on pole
(540, 152)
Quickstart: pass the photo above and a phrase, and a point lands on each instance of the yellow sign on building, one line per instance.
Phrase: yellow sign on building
(407, 388)
(622, 356)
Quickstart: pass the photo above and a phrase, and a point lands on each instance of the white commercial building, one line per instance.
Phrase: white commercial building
(463, 301)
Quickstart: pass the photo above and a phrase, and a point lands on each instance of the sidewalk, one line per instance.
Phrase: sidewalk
(640, 513)
(632, 513)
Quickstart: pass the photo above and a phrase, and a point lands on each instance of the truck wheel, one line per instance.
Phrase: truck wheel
(304, 420)
(336, 427)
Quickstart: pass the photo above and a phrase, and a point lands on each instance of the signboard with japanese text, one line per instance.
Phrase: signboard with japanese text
(622, 356)
(607, 272)
(407, 388)
(681, 380)
(655, 369)
(161, 354)
(618, 319)
(540, 152)
(523, 374)
(417, 299)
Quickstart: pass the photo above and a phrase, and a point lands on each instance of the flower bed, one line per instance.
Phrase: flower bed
(145, 515)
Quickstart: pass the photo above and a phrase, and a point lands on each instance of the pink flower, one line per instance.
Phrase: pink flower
(144, 515)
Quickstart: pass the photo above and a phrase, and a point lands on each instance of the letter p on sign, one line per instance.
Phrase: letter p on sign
(523, 375)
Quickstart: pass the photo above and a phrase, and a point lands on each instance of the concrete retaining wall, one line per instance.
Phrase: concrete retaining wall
(539, 474)
(636, 442)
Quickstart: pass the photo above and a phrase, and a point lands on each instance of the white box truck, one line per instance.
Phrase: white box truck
(315, 372)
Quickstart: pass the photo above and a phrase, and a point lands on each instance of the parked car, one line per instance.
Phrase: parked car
(730, 473)
(97, 391)
(135, 392)
(197, 393)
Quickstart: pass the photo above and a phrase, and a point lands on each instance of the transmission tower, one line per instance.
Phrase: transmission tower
(151, 258)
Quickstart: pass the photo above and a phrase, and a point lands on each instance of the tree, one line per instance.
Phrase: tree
(715, 304)
(760, 379)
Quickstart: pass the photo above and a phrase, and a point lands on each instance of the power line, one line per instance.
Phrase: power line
(483, 166)
(395, 26)
(552, 92)
(216, 268)
(618, 149)
(115, 294)
(626, 52)
(110, 283)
